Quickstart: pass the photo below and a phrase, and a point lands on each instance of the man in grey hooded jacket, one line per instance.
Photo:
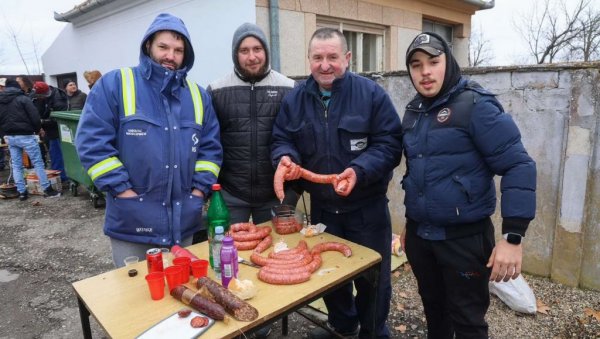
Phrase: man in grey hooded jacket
(246, 102)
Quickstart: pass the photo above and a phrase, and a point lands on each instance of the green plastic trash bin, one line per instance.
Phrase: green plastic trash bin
(67, 126)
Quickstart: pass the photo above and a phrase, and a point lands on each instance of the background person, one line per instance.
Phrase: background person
(156, 157)
(48, 99)
(340, 122)
(457, 137)
(20, 122)
(76, 98)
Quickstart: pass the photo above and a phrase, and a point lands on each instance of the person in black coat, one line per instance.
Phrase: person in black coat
(76, 98)
(20, 122)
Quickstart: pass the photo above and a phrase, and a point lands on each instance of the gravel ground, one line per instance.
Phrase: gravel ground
(47, 244)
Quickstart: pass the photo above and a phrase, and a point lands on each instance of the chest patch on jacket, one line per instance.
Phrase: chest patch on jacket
(271, 93)
(444, 115)
(136, 132)
(358, 144)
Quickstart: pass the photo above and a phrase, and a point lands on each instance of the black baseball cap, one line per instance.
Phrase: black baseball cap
(427, 43)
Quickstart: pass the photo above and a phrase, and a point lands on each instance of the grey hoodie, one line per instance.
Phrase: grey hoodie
(245, 30)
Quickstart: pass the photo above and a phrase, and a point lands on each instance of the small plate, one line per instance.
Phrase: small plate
(176, 327)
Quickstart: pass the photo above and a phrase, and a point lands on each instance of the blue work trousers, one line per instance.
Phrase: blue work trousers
(371, 227)
(56, 158)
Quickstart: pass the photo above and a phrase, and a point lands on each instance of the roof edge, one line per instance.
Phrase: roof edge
(80, 10)
(482, 4)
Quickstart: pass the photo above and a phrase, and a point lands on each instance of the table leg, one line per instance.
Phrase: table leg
(84, 314)
(372, 276)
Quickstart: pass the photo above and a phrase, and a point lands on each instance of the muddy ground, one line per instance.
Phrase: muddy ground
(47, 244)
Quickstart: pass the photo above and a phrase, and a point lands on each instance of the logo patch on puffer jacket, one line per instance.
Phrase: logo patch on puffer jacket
(444, 115)
(358, 144)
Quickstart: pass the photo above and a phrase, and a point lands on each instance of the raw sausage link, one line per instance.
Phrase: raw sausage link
(283, 279)
(278, 180)
(258, 235)
(318, 178)
(242, 226)
(235, 306)
(332, 246)
(264, 244)
(302, 245)
(310, 267)
(246, 245)
(256, 258)
(199, 303)
(287, 256)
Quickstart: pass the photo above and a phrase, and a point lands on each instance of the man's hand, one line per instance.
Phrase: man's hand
(129, 193)
(42, 133)
(505, 261)
(198, 193)
(293, 170)
(345, 182)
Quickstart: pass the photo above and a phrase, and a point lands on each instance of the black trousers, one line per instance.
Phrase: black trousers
(453, 282)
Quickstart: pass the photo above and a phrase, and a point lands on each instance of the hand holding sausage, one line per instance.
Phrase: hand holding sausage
(346, 182)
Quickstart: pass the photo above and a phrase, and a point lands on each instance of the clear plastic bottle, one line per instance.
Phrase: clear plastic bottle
(217, 244)
(229, 261)
(217, 215)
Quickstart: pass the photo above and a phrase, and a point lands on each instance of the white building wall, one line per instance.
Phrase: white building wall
(110, 37)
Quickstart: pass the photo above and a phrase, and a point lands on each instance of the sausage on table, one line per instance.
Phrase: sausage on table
(198, 302)
(235, 306)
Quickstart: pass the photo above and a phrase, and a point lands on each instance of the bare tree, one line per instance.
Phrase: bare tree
(13, 36)
(587, 45)
(551, 28)
(480, 53)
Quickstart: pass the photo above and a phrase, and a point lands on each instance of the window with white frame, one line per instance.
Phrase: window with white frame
(446, 31)
(365, 41)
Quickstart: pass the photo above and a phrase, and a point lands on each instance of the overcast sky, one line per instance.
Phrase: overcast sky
(34, 25)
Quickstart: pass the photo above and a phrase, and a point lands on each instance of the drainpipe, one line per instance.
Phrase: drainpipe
(482, 4)
(274, 25)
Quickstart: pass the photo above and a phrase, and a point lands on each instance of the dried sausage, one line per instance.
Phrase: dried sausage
(235, 306)
(199, 322)
(198, 302)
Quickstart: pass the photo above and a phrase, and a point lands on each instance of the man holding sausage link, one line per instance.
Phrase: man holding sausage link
(340, 123)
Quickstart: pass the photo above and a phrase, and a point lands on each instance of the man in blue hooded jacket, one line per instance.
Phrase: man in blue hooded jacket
(149, 138)
(457, 137)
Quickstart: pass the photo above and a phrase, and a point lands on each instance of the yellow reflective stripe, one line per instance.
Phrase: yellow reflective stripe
(202, 165)
(128, 86)
(197, 99)
(104, 167)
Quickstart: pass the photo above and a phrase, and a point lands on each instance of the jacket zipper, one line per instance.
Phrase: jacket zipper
(253, 142)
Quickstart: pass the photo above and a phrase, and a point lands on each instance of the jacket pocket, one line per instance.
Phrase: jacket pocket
(142, 149)
(304, 138)
(191, 213)
(465, 186)
(138, 216)
(353, 136)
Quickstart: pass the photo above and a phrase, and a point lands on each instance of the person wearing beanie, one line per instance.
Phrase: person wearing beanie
(457, 138)
(338, 122)
(149, 138)
(247, 101)
(76, 98)
(47, 99)
(19, 123)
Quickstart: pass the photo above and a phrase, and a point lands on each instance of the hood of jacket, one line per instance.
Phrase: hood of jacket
(168, 22)
(9, 95)
(244, 31)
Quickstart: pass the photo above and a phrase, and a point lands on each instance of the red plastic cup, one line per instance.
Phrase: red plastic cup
(184, 262)
(173, 274)
(156, 283)
(199, 268)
